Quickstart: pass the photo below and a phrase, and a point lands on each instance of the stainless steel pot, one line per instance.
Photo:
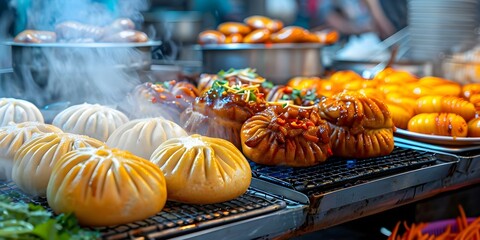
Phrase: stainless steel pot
(276, 62)
(49, 69)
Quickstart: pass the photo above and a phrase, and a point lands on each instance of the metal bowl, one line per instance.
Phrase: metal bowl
(46, 68)
(276, 62)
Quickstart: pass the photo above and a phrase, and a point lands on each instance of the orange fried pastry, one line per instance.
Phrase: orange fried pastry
(475, 100)
(468, 90)
(360, 127)
(445, 104)
(394, 76)
(441, 86)
(474, 128)
(400, 115)
(292, 135)
(444, 124)
(228, 28)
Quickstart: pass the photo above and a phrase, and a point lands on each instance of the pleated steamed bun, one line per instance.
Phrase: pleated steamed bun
(13, 136)
(34, 161)
(143, 136)
(93, 120)
(105, 187)
(17, 111)
(202, 170)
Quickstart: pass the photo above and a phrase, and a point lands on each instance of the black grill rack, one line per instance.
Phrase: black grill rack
(176, 218)
(338, 172)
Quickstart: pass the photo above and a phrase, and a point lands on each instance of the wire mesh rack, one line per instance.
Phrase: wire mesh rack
(338, 172)
(176, 218)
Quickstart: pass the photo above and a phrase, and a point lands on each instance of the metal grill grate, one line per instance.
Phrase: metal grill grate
(177, 218)
(337, 172)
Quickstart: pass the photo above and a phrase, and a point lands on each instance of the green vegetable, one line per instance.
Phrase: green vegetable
(29, 221)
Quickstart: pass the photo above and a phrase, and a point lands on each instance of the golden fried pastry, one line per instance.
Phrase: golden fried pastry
(228, 28)
(202, 170)
(258, 22)
(257, 36)
(361, 127)
(406, 102)
(290, 34)
(441, 86)
(400, 115)
(18, 111)
(105, 187)
(304, 82)
(34, 161)
(475, 100)
(234, 38)
(443, 124)
(13, 136)
(93, 120)
(221, 111)
(327, 36)
(393, 76)
(274, 26)
(445, 104)
(211, 37)
(292, 135)
(470, 89)
(474, 127)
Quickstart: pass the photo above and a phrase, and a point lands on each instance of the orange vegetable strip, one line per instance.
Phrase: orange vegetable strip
(394, 233)
(463, 215)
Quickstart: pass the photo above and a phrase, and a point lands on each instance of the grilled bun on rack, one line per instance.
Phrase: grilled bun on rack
(143, 136)
(13, 136)
(202, 170)
(361, 127)
(293, 136)
(222, 109)
(34, 160)
(104, 187)
(17, 111)
(93, 120)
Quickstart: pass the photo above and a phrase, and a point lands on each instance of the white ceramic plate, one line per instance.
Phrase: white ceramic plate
(440, 140)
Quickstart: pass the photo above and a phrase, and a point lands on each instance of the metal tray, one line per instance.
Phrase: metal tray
(439, 140)
(438, 148)
(178, 219)
(338, 172)
(86, 45)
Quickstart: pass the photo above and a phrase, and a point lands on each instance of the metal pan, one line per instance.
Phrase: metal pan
(39, 68)
(276, 62)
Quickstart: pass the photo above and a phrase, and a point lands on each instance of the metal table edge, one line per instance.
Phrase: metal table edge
(281, 191)
(323, 201)
(264, 226)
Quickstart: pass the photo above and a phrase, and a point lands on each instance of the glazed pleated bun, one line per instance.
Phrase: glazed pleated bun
(13, 136)
(143, 136)
(202, 170)
(361, 127)
(93, 120)
(292, 135)
(17, 111)
(105, 187)
(34, 160)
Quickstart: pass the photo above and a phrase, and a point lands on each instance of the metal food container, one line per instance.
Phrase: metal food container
(45, 68)
(276, 62)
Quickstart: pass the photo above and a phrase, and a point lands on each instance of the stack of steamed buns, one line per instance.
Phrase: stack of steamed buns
(108, 170)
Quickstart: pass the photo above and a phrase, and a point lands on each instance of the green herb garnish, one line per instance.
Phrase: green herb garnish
(29, 221)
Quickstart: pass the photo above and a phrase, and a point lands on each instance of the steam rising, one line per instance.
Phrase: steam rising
(103, 75)
(44, 15)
